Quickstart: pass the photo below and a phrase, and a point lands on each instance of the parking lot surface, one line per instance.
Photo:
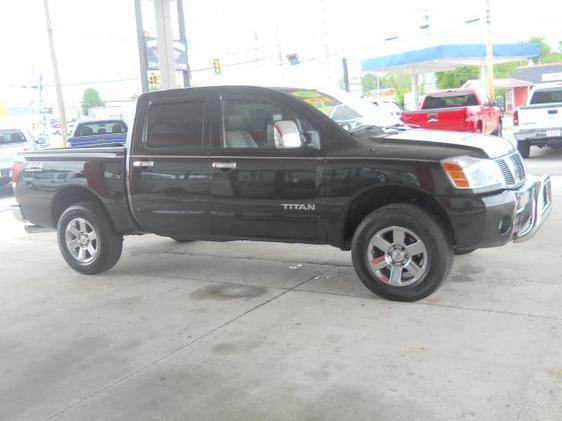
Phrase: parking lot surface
(255, 331)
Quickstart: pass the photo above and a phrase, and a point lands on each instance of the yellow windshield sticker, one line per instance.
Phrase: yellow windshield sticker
(317, 100)
(306, 94)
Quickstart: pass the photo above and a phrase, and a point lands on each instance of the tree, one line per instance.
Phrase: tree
(544, 48)
(400, 83)
(90, 98)
(546, 55)
(369, 82)
(457, 77)
(505, 70)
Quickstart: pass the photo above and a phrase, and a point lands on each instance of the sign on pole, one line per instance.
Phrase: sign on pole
(153, 59)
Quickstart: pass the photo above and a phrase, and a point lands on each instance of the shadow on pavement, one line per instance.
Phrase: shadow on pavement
(545, 154)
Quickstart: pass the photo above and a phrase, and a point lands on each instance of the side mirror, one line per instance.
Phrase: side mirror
(286, 134)
(312, 139)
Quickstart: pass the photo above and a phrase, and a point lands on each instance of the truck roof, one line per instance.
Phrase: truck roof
(98, 120)
(455, 91)
(548, 85)
(202, 89)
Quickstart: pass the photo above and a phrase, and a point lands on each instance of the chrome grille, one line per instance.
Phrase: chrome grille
(512, 169)
(518, 166)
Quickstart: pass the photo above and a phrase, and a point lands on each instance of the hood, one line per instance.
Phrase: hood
(434, 145)
(491, 146)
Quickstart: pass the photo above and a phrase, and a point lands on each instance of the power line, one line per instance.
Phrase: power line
(96, 82)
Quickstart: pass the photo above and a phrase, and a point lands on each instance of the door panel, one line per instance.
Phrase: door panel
(262, 185)
(275, 198)
(172, 195)
(169, 169)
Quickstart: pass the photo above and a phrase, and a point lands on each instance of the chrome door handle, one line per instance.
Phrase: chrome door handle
(224, 165)
(143, 164)
(433, 120)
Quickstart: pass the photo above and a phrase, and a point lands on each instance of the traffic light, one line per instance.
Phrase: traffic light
(217, 66)
(154, 79)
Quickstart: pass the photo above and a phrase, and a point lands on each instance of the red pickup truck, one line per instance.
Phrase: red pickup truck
(460, 110)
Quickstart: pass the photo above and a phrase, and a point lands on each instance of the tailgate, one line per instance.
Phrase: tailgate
(438, 119)
(540, 117)
(8, 153)
(447, 119)
(416, 118)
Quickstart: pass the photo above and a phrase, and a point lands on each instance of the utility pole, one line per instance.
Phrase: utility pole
(181, 24)
(142, 46)
(489, 55)
(326, 41)
(345, 74)
(60, 100)
(165, 44)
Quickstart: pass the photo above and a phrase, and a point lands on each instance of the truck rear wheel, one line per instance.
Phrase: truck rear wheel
(400, 252)
(87, 240)
(524, 149)
(499, 129)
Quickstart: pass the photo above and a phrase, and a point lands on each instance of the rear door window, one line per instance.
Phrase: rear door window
(11, 136)
(176, 125)
(449, 101)
(547, 96)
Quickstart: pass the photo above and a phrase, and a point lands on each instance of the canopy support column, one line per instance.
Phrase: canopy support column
(415, 90)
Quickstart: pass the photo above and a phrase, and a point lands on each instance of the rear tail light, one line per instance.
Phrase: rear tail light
(516, 118)
(17, 168)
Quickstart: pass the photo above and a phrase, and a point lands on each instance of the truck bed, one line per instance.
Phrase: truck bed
(49, 176)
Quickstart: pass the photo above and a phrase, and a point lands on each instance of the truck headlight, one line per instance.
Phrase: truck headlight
(466, 172)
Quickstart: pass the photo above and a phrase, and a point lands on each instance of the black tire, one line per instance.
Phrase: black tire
(181, 239)
(499, 130)
(460, 252)
(524, 149)
(108, 243)
(415, 219)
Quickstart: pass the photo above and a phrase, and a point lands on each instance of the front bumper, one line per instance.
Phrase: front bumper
(494, 220)
(534, 207)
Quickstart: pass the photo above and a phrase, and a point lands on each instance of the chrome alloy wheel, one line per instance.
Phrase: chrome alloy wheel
(81, 240)
(397, 256)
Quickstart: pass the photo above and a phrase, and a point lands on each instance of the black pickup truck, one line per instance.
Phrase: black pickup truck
(230, 163)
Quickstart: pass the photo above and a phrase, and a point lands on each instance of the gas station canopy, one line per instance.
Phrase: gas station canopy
(445, 57)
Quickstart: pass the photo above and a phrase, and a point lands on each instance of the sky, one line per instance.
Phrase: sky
(97, 47)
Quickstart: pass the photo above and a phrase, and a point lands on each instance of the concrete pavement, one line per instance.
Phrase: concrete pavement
(263, 331)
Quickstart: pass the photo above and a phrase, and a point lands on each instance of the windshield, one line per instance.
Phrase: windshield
(11, 136)
(348, 111)
(100, 127)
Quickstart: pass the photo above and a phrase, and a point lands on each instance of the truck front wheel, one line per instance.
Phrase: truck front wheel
(87, 240)
(401, 252)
